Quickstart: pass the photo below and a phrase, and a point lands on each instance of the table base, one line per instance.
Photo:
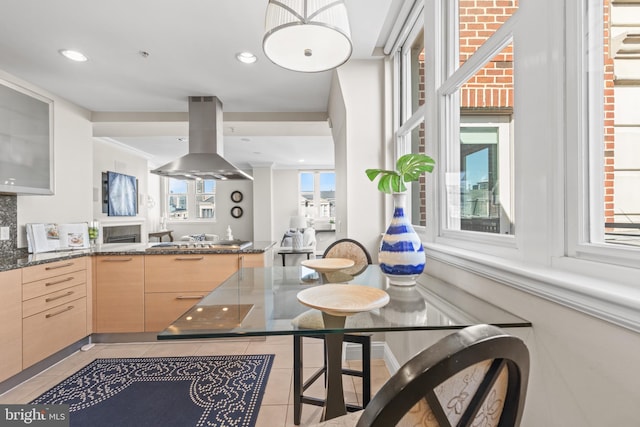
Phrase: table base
(334, 400)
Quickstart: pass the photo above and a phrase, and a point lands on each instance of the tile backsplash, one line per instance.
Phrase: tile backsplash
(9, 218)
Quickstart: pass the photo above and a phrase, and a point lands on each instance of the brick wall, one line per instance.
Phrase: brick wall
(609, 131)
(492, 86)
(422, 182)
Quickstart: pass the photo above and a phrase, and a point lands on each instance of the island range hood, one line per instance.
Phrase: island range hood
(205, 159)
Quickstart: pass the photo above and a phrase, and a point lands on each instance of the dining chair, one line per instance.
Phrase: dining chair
(475, 376)
(350, 249)
(343, 248)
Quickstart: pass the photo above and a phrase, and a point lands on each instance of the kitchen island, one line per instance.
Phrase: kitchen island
(21, 258)
(53, 303)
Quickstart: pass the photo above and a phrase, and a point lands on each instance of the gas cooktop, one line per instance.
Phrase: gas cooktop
(221, 244)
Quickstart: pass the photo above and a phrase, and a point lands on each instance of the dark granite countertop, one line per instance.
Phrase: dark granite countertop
(21, 258)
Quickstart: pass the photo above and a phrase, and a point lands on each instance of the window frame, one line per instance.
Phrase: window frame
(406, 120)
(586, 155)
(452, 80)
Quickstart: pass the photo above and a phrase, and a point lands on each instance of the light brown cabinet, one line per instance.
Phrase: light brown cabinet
(139, 293)
(174, 283)
(54, 308)
(11, 321)
(256, 260)
(119, 293)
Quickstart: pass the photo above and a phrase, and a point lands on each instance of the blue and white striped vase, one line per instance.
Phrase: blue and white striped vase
(401, 255)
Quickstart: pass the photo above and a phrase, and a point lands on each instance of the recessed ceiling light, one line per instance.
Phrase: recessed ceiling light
(301, 160)
(246, 57)
(73, 55)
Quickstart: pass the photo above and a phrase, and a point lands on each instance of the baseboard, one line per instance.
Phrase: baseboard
(141, 337)
(353, 351)
(379, 350)
(43, 365)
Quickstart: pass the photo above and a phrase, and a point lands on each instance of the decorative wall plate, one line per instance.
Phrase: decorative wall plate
(236, 211)
(236, 196)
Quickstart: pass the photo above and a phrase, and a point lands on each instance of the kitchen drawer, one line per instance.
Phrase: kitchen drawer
(51, 269)
(54, 299)
(188, 272)
(163, 308)
(53, 284)
(52, 330)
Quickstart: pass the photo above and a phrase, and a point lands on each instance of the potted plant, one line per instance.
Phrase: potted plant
(401, 256)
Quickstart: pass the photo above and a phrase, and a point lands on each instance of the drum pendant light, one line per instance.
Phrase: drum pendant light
(307, 35)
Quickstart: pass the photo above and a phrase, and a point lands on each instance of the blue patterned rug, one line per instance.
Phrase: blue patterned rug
(198, 391)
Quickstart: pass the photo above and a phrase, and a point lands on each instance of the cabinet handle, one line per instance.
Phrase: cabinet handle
(117, 259)
(189, 259)
(58, 281)
(59, 312)
(53, 267)
(190, 297)
(58, 297)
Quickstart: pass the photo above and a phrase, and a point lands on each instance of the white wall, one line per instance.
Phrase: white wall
(242, 228)
(285, 200)
(154, 210)
(356, 107)
(109, 157)
(583, 370)
(263, 203)
(338, 115)
(71, 201)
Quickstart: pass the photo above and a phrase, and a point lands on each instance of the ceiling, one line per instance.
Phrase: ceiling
(191, 47)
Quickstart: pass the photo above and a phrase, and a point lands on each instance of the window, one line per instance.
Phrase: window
(614, 137)
(410, 99)
(485, 146)
(566, 141)
(485, 97)
(318, 195)
(190, 199)
(205, 198)
(177, 198)
(478, 98)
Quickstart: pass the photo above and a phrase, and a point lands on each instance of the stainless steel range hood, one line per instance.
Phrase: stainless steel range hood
(205, 159)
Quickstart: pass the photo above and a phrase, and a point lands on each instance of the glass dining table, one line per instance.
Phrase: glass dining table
(264, 301)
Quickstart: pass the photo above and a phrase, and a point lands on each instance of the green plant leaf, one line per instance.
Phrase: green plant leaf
(391, 183)
(408, 168)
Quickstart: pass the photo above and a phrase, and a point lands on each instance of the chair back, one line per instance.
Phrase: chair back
(476, 376)
(350, 249)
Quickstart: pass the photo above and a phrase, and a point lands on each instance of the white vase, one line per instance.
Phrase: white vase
(401, 256)
(296, 240)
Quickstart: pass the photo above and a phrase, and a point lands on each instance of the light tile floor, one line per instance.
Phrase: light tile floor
(277, 403)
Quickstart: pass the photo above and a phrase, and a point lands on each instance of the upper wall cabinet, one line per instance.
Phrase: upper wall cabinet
(26, 141)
